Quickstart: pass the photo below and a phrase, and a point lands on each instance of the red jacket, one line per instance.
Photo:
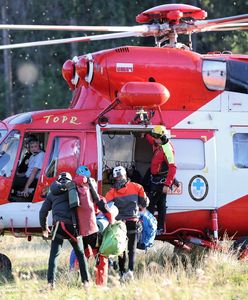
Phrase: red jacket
(162, 153)
(128, 200)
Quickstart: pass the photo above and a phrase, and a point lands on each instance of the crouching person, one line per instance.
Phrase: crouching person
(64, 228)
(90, 205)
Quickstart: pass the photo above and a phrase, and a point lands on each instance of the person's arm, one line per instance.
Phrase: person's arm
(29, 181)
(43, 214)
(169, 155)
(149, 138)
(143, 200)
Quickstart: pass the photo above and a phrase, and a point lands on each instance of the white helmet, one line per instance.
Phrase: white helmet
(119, 171)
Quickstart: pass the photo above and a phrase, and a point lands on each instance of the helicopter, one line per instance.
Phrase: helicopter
(119, 95)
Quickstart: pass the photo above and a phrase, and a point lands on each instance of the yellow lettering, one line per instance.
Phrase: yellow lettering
(47, 118)
(64, 118)
(55, 119)
(74, 121)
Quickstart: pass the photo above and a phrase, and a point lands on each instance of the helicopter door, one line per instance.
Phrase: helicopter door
(195, 153)
(63, 156)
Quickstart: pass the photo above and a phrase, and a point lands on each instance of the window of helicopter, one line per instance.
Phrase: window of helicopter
(237, 74)
(240, 150)
(214, 74)
(3, 133)
(193, 159)
(25, 118)
(8, 153)
(118, 148)
(64, 156)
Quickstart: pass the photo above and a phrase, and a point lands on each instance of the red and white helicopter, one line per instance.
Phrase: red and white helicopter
(118, 95)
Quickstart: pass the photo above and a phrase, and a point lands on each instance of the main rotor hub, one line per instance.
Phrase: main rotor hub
(171, 13)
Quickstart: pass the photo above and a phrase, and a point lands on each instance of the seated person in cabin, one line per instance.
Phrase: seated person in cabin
(26, 181)
(23, 166)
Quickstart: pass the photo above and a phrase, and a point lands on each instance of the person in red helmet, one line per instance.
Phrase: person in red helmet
(163, 171)
(130, 198)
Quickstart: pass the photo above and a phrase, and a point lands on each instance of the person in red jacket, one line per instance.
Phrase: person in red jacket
(163, 171)
(91, 203)
(129, 197)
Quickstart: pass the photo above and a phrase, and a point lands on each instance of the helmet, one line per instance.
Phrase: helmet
(159, 131)
(64, 175)
(119, 171)
(83, 171)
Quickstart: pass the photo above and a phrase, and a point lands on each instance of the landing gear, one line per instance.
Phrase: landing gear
(5, 267)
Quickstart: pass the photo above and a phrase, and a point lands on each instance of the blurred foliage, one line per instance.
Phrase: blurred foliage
(50, 90)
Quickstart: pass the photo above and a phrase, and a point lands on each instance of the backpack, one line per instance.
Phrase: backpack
(114, 241)
(149, 228)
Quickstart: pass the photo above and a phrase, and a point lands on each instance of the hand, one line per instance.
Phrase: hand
(45, 233)
(166, 189)
(25, 192)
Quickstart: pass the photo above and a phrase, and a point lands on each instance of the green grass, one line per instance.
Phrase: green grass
(160, 274)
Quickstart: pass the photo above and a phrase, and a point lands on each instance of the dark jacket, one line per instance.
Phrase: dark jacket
(57, 201)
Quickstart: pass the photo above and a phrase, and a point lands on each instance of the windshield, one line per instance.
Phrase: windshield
(8, 153)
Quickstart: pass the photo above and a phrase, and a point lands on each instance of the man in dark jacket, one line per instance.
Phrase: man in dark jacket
(58, 201)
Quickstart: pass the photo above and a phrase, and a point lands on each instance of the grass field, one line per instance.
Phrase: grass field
(160, 274)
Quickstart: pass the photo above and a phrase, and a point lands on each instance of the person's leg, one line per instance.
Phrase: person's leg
(122, 261)
(82, 262)
(161, 206)
(132, 243)
(56, 246)
(153, 201)
(19, 182)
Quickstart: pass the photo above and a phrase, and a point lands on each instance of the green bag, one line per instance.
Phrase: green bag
(114, 241)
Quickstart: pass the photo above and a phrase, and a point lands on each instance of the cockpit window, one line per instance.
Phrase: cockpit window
(3, 132)
(25, 118)
(8, 153)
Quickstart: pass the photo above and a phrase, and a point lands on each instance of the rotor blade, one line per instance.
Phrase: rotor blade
(72, 40)
(201, 25)
(227, 27)
(74, 28)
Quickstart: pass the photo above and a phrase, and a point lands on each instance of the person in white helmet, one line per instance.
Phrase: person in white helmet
(129, 197)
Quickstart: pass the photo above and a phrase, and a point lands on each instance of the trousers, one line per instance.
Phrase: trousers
(158, 200)
(55, 250)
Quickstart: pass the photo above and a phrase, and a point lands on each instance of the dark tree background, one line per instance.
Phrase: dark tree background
(31, 79)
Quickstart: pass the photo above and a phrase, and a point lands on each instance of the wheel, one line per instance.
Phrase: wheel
(5, 267)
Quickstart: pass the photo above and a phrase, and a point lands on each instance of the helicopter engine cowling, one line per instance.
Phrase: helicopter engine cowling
(82, 67)
(143, 94)
(68, 71)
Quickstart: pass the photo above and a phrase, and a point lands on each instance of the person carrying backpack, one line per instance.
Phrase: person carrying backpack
(58, 202)
(129, 197)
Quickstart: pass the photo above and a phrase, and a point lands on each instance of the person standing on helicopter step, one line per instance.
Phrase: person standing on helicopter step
(163, 171)
(58, 201)
(129, 197)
